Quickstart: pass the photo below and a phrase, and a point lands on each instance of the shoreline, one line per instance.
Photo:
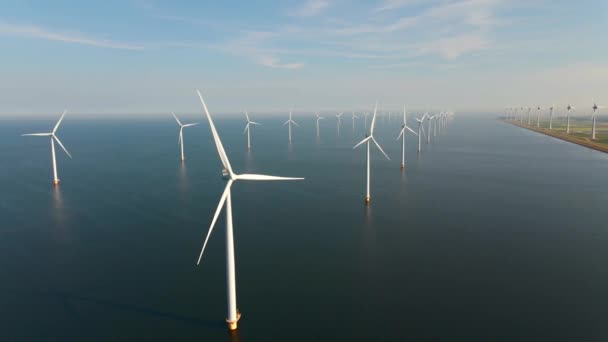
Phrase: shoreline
(563, 136)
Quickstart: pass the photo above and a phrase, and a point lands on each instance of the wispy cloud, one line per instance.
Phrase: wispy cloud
(74, 38)
(394, 4)
(455, 46)
(274, 62)
(310, 8)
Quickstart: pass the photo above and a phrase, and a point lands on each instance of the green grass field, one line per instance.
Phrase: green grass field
(580, 131)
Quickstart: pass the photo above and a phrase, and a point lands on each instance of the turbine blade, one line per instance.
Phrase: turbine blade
(247, 115)
(362, 142)
(191, 124)
(63, 147)
(216, 137)
(38, 134)
(371, 127)
(179, 138)
(246, 128)
(255, 123)
(380, 148)
(400, 133)
(411, 130)
(59, 122)
(217, 213)
(286, 122)
(176, 119)
(295, 123)
(248, 176)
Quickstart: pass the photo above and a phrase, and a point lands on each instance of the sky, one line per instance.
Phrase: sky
(149, 56)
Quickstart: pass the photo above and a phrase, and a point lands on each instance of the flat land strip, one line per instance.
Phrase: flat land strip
(598, 144)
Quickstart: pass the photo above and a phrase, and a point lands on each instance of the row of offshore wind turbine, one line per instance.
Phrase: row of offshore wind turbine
(230, 176)
(524, 117)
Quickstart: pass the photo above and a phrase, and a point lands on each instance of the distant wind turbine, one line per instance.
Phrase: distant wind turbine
(428, 136)
(289, 122)
(53, 139)
(339, 121)
(595, 108)
(402, 136)
(370, 137)
(551, 117)
(420, 128)
(354, 117)
(248, 129)
(569, 108)
(538, 117)
(318, 118)
(180, 139)
(233, 314)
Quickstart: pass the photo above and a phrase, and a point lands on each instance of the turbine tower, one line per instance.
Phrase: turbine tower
(354, 117)
(339, 122)
(420, 128)
(370, 137)
(538, 117)
(529, 109)
(233, 314)
(402, 136)
(569, 108)
(248, 129)
(428, 136)
(595, 108)
(53, 139)
(180, 139)
(551, 117)
(289, 122)
(318, 118)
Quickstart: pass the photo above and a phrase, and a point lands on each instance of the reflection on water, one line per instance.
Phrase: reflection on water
(58, 215)
(183, 183)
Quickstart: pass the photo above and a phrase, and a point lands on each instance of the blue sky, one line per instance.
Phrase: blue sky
(148, 56)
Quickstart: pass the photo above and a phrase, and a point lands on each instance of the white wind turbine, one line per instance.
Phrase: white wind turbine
(595, 108)
(569, 108)
(339, 121)
(180, 139)
(248, 129)
(428, 136)
(354, 117)
(370, 137)
(53, 139)
(538, 117)
(420, 128)
(529, 110)
(402, 136)
(318, 118)
(233, 314)
(551, 117)
(289, 122)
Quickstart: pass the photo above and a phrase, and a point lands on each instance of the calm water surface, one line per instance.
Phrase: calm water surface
(494, 233)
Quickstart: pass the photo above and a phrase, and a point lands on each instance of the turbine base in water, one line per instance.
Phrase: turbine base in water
(367, 199)
(402, 166)
(232, 325)
(56, 182)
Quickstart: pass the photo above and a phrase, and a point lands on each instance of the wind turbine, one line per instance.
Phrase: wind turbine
(538, 117)
(551, 117)
(233, 314)
(289, 122)
(318, 118)
(529, 109)
(428, 136)
(402, 136)
(569, 108)
(354, 117)
(339, 121)
(595, 108)
(248, 129)
(180, 140)
(370, 137)
(420, 129)
(53, 139)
